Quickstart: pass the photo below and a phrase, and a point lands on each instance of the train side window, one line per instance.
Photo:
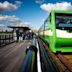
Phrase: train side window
(47, 23)
(50, 17)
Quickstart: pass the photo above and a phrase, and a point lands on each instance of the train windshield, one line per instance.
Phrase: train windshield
(63, 21)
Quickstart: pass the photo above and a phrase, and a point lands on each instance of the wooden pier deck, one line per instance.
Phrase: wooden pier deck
(12, 56)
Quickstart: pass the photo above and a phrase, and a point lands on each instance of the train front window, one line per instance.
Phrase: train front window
(64, 21)
(63, 24)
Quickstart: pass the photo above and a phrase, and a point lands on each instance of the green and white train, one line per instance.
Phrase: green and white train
(57, 31)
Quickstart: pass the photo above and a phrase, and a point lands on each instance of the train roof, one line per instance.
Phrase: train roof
(62, 11)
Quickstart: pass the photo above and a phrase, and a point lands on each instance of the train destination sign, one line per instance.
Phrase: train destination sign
(65, 25)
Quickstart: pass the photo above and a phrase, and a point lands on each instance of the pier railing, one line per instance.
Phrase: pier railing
(6, 38)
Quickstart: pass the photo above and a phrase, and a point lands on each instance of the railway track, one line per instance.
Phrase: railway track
(63, 61)
(66, 59)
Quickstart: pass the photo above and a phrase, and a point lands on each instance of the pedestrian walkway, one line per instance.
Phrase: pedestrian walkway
(12, 56)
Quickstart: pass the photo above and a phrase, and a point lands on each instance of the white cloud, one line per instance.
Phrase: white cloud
(2, 25)
(23, 24)
(13, 21)
(39, 1)
(7, 6)
(18, 2)
(9, 18)
(57, 6)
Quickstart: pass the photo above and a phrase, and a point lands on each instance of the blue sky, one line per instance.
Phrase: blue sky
(28, 11)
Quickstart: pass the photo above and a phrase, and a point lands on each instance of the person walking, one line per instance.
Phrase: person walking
(17, 35)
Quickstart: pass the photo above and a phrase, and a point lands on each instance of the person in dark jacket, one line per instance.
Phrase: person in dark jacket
(17, 34)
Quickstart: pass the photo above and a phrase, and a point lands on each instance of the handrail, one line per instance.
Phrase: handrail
(35, 43)
(30, 62)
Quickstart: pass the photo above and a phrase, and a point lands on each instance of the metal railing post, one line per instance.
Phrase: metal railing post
(0, 40)
(5, 39)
